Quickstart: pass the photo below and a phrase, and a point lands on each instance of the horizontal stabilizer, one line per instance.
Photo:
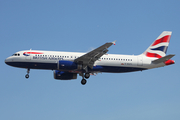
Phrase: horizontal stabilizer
(163, 59)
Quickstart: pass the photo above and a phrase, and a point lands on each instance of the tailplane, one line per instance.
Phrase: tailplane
(165, 59)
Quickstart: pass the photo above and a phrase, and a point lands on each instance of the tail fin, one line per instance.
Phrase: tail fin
(159, 47)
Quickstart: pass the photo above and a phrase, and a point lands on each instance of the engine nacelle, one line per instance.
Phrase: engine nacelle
(64, 75)
(67, 65)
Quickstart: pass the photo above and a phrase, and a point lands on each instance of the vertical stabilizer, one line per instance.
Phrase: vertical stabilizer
(159, 47)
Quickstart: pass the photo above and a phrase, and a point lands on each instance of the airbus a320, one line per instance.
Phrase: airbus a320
(66, 65)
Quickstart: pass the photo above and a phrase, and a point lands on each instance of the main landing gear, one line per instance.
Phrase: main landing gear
(27, 75)
(84, 81)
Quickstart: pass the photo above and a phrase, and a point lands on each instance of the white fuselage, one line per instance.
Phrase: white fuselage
(35, 59)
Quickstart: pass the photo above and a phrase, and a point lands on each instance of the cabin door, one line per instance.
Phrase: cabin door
(140, 61)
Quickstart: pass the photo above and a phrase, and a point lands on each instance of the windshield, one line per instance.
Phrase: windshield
(16, 54)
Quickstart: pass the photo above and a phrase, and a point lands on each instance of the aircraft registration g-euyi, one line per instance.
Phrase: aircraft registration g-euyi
(66, 65)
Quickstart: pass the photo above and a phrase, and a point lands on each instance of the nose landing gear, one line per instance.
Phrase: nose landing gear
(27, 75)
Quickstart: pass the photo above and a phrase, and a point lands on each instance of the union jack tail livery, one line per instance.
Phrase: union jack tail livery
(159, 47)
(156, 52)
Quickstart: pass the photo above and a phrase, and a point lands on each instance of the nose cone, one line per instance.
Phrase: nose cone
(8, 60)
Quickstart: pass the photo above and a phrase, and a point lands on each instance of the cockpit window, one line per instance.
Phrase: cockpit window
(16, 54)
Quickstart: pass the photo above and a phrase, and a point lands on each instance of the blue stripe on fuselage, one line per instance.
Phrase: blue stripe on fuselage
(53, 66)
(33, 65)
(115, 69)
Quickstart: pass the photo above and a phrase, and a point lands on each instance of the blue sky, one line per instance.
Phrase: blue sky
(66, 25)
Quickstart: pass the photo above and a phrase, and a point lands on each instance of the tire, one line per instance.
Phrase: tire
(83, 81)
(87, 75)
(27, 76)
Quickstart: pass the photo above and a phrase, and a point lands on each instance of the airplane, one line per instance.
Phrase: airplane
(66, 65)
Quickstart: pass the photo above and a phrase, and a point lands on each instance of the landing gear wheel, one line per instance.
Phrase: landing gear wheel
(83, 81)
(27, 76)
(87, 75)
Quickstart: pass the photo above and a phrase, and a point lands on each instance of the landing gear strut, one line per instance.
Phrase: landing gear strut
(27, 75)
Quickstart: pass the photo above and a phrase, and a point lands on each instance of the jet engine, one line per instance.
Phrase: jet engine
(64, 75)
(68, 65)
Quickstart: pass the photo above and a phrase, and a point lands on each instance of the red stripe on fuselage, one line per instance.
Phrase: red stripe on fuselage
(32, 53)
(153, 55)
(161, 40)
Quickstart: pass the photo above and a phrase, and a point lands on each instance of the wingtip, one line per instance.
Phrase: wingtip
(114, 42)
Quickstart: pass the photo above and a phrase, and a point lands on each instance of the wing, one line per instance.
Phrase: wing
(89, 58)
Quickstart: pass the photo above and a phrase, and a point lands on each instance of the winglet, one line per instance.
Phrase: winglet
(114, 42)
